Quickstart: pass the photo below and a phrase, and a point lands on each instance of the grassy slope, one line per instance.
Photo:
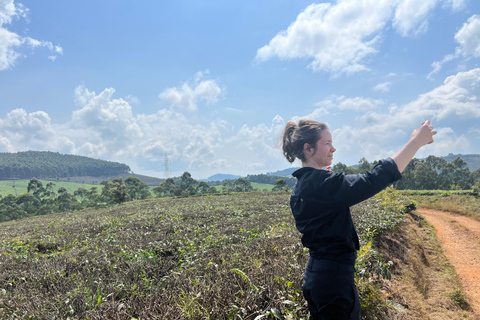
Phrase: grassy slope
(21, 186)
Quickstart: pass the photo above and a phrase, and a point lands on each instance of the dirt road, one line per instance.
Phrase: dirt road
(460, 238)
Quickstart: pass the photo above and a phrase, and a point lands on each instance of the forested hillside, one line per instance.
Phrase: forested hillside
(45, 164)
(472, 160)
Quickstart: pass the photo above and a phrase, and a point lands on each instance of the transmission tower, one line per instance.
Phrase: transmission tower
(166, 167)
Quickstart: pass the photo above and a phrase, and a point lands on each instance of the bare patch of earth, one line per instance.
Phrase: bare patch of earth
(460, 240)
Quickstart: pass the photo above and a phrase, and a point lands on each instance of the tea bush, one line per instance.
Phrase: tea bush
(211, 257)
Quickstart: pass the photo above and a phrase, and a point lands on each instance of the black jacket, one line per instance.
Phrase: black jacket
(320, 203)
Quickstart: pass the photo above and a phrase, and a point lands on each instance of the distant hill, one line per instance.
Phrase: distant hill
(220, 177)
(283, 173)
(53, 165)
(472, 160)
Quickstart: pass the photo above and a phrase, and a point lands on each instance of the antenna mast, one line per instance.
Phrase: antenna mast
(166, 167)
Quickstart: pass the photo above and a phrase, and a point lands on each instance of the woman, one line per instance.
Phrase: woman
(320, 203)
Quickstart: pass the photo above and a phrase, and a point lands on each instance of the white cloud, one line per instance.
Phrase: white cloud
(382, 87)
(343, 103)
(11, 42)
(186, 98)
(337, 37)
(8, 42)
(21, 130)
(468, 38)
(106, 127)
(318, 114)
(411, 16)
(340, 37)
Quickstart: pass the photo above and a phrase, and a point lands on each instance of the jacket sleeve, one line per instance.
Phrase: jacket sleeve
(341, 190)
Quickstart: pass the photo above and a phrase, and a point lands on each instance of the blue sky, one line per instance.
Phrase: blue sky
(212, 83)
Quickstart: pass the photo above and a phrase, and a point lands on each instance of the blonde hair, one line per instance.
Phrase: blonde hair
(295, 136)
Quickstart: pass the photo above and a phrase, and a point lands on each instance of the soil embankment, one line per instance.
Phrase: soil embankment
(460, 239)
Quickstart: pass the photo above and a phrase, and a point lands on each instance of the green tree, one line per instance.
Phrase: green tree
(425, 177)
(227, 187)
(242, 185)
(279, 184)
(363, 165)
(343, 168)
(137, 189)
(80, 194)
(187, 184)
(167, 188)
(28, 202)
(408, 177)
(436, 163)
(203, 188)
(461, 174)
(35, 187)
(118, 190)
(65, 201)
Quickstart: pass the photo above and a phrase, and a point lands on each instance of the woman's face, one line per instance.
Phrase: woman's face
(324, 150)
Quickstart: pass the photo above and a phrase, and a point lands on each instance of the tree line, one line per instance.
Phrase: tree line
(46, 164)
(433, 173)
(43, 199)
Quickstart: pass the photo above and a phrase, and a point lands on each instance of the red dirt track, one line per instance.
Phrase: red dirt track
(460, 239)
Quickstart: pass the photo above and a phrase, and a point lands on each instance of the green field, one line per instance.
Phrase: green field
(6, 186)
(235, 256)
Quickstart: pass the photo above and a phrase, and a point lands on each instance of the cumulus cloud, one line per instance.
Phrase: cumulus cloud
(10, 42)
(468, 38)
(339, 38)
(22, 130)
(103, 126)
(187, 96)
(382, 87)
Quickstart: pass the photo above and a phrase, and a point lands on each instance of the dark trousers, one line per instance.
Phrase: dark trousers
(329, 288)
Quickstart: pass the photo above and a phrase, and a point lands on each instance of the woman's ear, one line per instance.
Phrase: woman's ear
(307, 150)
